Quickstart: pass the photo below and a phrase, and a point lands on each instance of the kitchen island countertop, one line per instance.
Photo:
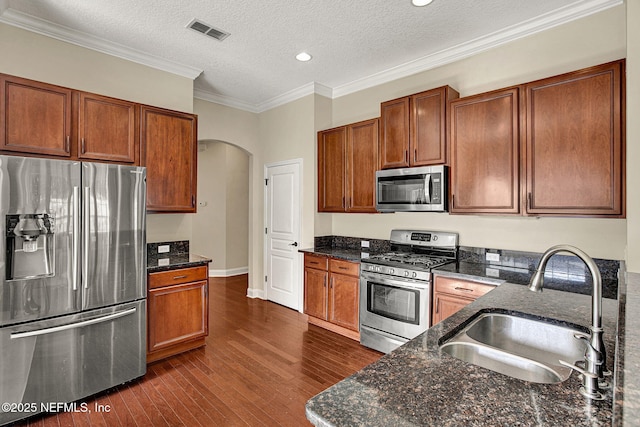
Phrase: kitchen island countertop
(418, 384)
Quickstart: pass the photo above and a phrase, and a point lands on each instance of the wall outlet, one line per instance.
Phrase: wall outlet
(492, 256)
(364, 243)
(202, 204)
(163, 261)
(163, 249)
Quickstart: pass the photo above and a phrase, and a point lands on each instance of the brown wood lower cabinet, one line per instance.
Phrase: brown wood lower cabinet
(178, 310)
(331, 294)
(451, 295)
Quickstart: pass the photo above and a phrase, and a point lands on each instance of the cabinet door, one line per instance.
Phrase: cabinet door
(332, 146)
(428, 143)
(35, 117)
(344, 301)
(169, 149)
(315, 293)
(574, 143)
(106, 129)
(177, 314)
(362, 163)
(394, 133)
(446, 305)
(485, 153)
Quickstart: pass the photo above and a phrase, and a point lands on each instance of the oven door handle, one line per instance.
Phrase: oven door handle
(396, 281)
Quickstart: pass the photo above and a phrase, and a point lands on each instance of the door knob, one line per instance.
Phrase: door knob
(293, 244)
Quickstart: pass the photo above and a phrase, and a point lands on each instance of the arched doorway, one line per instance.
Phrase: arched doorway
(220, 227)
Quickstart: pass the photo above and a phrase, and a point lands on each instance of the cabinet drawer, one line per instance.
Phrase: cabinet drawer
(464, 288)
(344, 267)
(316, 261)
(173, 277)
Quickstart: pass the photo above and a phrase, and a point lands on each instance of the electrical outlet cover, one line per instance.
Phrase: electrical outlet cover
(492, 256)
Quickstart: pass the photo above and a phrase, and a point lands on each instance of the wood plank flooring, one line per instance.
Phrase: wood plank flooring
(262, 362)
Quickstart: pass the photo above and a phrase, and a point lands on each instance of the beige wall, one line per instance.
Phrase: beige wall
(589, 41)
(633, 136)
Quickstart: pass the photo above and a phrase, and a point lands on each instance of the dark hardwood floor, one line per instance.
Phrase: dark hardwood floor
(259, 367)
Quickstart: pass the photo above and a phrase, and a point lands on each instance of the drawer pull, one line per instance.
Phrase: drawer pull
(184, 276)
(343, 268)
(458, 288)
(314, 262)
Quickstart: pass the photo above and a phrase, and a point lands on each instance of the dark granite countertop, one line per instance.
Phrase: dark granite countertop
(353, 255)
(164, 262)
(561, 278)
(418, 385)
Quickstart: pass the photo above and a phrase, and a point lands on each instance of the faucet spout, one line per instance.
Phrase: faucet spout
(595, 356)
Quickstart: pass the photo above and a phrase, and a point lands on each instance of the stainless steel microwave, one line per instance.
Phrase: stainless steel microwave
(421, 189)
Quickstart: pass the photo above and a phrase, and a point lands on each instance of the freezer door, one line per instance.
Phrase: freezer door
(62, 360)
(114, 234)
(39, 246)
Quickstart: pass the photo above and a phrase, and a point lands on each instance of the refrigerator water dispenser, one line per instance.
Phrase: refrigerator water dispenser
(30, 246)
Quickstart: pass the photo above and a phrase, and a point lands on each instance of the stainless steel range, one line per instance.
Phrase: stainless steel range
(395, 287)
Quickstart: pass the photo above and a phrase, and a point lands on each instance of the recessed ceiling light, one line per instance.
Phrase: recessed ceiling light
(303, 56)
(421, 2)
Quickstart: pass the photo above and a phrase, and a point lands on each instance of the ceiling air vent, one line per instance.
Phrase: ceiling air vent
(207, 30)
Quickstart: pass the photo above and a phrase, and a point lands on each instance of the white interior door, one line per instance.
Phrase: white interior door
(282, 202)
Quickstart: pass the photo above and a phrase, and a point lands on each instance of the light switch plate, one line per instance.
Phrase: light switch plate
(491, 256)
(163, 262)
(163, 249)
(364, 243)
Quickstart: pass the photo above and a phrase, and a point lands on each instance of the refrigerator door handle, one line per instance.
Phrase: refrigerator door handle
(87, 228)
(51, 330)
(75, 255)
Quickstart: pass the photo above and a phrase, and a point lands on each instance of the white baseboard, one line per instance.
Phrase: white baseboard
(229, 272)
(256, 293)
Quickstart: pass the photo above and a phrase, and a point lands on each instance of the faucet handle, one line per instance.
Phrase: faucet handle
(590, 388)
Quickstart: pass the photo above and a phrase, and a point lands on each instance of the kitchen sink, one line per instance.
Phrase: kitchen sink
(518, 346)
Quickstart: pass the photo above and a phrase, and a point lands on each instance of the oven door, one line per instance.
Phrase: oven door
(394, 305)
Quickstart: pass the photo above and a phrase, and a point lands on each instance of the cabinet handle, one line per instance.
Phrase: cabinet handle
(529, 201)
(324, 282)
(343, 268)
(415, 155)
(437, 305)
(453, 200)
(184, 276)
(67, 144)
(193, 201)
(331, 284)
(458, 288)
(314, 262)
(406, 156)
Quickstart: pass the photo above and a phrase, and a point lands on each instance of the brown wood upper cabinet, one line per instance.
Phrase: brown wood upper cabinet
(485, 153)
(48, 120)
(347, 161)
(575, 147)
(550, 147)
(107, 129)
(36, 117)
(168, 141)
(413, 129)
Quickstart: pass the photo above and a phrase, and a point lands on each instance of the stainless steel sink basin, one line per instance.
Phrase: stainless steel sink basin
(519, 347)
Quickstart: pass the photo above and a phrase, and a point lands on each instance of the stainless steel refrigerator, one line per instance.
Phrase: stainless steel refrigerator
(72, 281)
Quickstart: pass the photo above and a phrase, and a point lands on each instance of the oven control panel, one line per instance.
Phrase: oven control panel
(397, 271)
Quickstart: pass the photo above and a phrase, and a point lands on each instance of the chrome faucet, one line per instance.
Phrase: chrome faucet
(595, 356)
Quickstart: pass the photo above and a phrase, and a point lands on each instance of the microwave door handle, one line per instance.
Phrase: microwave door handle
(427, 188)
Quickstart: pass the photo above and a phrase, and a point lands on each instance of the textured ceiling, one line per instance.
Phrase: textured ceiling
(352, 42)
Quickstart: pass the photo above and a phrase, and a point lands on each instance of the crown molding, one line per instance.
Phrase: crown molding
(561, 16)
(553, 19)
(78, 38)
(302, 91)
